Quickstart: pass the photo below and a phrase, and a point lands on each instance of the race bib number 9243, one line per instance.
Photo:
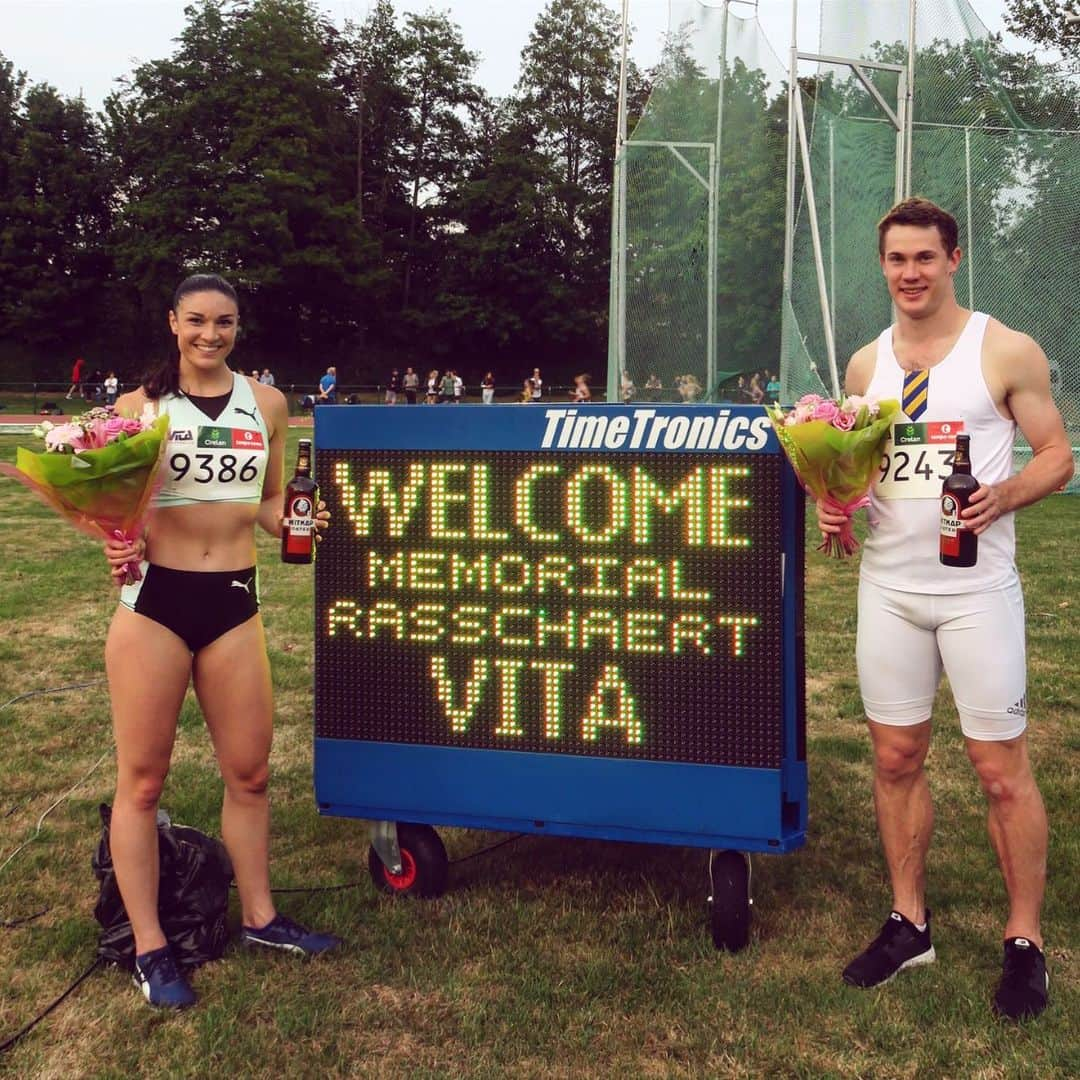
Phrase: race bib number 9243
(917, 459)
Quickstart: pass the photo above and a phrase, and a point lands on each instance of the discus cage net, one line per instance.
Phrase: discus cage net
(744, 216)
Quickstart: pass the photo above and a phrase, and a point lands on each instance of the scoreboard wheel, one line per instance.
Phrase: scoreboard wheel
(423, 864)
(729, 899)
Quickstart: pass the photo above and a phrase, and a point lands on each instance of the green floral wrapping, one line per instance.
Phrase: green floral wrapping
(837, 467)
(101, 492)
(833, 464)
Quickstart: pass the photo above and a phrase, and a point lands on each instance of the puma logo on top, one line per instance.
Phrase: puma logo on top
(246, 412)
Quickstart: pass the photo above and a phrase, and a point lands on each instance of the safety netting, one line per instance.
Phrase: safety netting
(702, 239)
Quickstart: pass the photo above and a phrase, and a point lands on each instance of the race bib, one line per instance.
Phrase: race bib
(917, 459)
(215, 463)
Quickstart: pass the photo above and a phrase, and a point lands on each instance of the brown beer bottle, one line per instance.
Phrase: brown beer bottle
(959, 546)
(301, 498)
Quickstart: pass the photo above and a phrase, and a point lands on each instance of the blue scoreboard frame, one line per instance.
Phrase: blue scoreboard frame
(570, 620)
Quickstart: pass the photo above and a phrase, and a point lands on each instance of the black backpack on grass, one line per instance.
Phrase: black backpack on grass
(193, 896)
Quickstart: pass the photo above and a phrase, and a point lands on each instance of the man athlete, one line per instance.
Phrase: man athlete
(954, 370)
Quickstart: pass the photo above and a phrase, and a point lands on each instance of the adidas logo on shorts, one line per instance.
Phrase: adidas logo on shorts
(1019, 709)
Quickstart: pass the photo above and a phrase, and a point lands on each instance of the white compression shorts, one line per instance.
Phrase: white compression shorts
(905, 640)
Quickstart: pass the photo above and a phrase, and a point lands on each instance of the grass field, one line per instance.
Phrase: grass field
(548, 957)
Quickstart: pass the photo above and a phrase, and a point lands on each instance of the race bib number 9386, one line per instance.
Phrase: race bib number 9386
(917, 459)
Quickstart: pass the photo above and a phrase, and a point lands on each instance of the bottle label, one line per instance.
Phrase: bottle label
(951, 525)
(300, 525)
(918, 459)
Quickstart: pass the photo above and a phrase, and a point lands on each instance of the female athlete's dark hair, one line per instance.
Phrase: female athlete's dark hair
(164, 377)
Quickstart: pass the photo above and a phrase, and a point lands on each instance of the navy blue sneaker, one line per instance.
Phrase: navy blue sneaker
(281, 932)
(161, 981)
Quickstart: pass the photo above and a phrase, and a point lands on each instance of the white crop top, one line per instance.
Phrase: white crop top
(222, 460)
(901, 551)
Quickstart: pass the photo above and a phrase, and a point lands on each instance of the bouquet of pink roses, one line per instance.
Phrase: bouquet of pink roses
(98, 471)
(835, 448)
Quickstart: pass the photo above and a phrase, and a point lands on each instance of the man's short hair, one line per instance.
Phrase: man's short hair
(920, 211)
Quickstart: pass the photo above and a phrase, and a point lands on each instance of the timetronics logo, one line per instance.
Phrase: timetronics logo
(567, 429)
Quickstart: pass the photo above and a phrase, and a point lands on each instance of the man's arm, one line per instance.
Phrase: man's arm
(1019, 366)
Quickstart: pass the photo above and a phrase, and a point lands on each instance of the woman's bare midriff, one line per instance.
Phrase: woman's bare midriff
(203, 536)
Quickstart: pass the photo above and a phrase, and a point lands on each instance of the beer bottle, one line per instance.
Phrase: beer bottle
(301, 497)
(959, 546)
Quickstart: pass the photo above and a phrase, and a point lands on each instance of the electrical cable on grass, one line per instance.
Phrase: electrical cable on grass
(66, 795)
(8, 924)
(8, 1043)
(51, 690)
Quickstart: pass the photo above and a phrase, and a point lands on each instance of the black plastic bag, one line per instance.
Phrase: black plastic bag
(193, 896)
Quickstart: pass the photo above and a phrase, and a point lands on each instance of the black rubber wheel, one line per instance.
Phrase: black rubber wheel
(423, 864)
(729, 902)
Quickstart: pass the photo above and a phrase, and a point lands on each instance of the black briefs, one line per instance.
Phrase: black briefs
(196, 605)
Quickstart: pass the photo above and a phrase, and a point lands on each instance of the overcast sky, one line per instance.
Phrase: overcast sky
(83, 46)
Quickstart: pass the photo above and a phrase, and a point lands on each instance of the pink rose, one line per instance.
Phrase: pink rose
(843, 421)
(825, 410)
(114, 426)
(810, 399)
(132, 427)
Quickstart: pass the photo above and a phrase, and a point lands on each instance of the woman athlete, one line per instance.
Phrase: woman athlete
(194, 617)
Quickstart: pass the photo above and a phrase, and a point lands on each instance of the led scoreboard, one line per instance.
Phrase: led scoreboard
(579, 620)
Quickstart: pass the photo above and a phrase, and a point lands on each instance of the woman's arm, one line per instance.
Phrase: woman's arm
(275, 412)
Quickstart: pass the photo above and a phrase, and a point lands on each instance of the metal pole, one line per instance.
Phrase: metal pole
(899, 187)
(970, 221)
(714, 214)
(615, 374)
(832, 224)
(789, 206)
(909, 115)
(815, 236)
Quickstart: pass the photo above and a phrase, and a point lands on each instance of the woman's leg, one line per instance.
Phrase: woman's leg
(232, 681)
(148, 668)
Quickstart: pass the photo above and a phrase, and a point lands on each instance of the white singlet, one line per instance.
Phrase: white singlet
(901, 551)
(222, 460)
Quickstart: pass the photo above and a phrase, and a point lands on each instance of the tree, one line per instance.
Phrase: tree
(1043, 21)
(568, 98)
(54, 209)
(232, 154)
(438, 70)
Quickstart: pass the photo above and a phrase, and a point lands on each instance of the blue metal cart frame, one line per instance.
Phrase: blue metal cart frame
(715, 806)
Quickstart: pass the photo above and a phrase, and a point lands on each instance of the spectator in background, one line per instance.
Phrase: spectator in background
(756, 390)
(537, 386)
(487, 388)
(654, 388)
(772, 386)
(626, 388)
(581, 392)
(111, 386)
(76, 377)
(689, 388)
(432, 387)
(459, 387)
(328, 388)
(393, 387)
(410, 383)
(267, 377)
(446, 387)
(740, 393)
(526, 396)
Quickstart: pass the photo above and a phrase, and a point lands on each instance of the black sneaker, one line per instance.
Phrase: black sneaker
(1024, 986)
(899, 945)
(281, 932)
(161, 981)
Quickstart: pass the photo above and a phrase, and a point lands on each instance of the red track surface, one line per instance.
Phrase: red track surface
(31, 418)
